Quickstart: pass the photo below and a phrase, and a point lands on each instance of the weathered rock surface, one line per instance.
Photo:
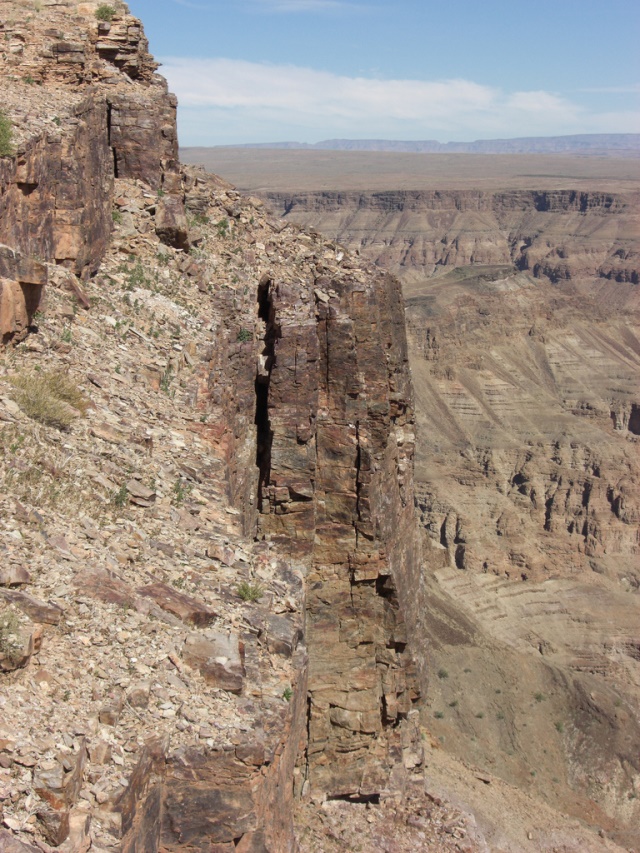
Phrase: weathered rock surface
(84, 126)
(193, 703)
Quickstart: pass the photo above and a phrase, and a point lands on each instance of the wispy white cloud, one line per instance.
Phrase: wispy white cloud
(631, 89)
(304, 5)
(189, 5)
(284, 6)
(260, 102)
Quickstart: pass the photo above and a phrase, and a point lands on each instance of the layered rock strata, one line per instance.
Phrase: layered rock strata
(558, 234)
(336, 444)
(522, 312)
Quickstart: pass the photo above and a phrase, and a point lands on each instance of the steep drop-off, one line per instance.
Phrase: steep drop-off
(523, 317)
(212, 602)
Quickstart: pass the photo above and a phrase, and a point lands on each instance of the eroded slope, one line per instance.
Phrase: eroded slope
(522, 315)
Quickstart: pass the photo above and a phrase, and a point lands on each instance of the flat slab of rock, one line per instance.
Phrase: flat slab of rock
(140, 494)
(13, 575)
(36, 610)
(105, 586)
(10, 844)
(219, 657)
(185, 607)
(108, 433)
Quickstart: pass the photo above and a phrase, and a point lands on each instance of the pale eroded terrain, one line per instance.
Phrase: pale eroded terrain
(521, 284)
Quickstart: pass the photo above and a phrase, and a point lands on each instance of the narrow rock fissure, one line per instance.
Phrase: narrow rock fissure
(113, 150)
(264, 432)
(361, 799)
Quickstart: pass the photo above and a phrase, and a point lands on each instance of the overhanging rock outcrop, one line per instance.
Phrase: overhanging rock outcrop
(85, 123)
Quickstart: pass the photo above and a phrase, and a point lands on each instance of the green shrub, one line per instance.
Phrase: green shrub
(105, 13)
(121, 497)
(181, 491)
(48, 397)
(6, 136)
(249, 591)
(244, 335)
(443, 673)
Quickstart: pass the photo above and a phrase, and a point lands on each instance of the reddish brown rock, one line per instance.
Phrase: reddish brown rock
(352, 517)
(38, 611)
(185, 607)
(106, 586)
(14, 575)
(10, 844)
(55, 826)
(59, 785)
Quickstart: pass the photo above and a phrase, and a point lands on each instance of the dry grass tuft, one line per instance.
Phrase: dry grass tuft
(51, 398)
(10, 645)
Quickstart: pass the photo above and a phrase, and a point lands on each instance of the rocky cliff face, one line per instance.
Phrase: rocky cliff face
(242, 430)
(336, 444)
(78, 124)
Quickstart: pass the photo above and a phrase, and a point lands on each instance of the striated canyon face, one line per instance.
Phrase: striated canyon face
(523, 318)
(558, 234)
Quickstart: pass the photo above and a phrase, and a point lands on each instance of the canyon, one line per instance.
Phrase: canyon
(522, 313)
(244, 552)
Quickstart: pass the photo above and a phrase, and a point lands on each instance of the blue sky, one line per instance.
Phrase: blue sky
(307, 70)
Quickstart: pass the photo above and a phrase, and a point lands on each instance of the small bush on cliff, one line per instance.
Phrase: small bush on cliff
(6, 136)
(250, 591)
(105, 13)
(50, 398)
(10, 646)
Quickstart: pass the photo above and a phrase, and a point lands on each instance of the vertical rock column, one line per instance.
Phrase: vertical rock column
(339, 495)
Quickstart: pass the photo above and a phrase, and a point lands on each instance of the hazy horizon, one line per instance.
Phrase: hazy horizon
(258, 70)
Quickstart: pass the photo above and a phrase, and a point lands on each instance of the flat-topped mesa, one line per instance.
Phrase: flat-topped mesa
(86, 106)
(335, 450)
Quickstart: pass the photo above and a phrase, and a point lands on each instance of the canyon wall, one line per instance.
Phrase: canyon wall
(78, 124)
(523, 319)
(560, 234)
